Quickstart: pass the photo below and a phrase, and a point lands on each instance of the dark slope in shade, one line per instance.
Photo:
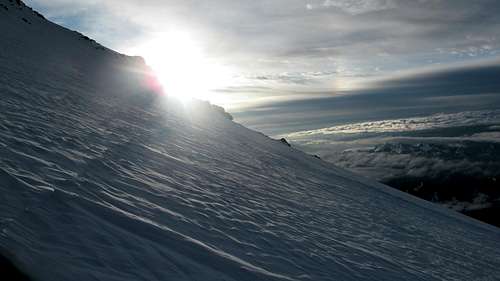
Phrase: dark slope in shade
(9, 272)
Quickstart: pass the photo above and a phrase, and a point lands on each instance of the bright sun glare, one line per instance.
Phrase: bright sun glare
(182, 68)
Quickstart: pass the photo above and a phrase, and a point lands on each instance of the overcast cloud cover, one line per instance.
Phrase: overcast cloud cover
(285, 44)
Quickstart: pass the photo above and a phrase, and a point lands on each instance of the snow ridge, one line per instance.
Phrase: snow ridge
(102, 178)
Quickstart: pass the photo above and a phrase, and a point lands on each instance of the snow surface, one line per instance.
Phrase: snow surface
(101, 180)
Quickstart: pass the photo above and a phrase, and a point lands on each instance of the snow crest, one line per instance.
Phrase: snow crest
(102, 179)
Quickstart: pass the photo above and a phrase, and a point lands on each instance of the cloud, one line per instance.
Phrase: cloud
(465, 118)
(446, 90)
(449, 158)
(456, 172)
(300, 78)
(104, 21)
(356, 7)
(293, 35)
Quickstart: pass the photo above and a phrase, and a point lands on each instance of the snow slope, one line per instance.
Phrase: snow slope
(101, 179)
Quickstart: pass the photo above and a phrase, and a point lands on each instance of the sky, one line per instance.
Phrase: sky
(289, 65)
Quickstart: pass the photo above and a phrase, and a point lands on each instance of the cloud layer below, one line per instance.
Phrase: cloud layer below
(447, 158)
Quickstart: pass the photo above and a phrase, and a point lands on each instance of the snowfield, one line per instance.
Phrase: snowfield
(102, 179)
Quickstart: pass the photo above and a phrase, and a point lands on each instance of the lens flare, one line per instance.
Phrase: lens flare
(182, 67)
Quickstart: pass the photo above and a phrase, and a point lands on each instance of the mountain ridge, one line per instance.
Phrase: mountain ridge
(102, 177)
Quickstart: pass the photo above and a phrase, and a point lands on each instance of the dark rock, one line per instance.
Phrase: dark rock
(39, 15)
(222, 111)
(285, 142)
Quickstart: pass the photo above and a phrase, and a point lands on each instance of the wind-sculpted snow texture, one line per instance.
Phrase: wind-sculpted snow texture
(100, 180)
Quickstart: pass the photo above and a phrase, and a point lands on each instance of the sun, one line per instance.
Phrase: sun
(182, 67)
